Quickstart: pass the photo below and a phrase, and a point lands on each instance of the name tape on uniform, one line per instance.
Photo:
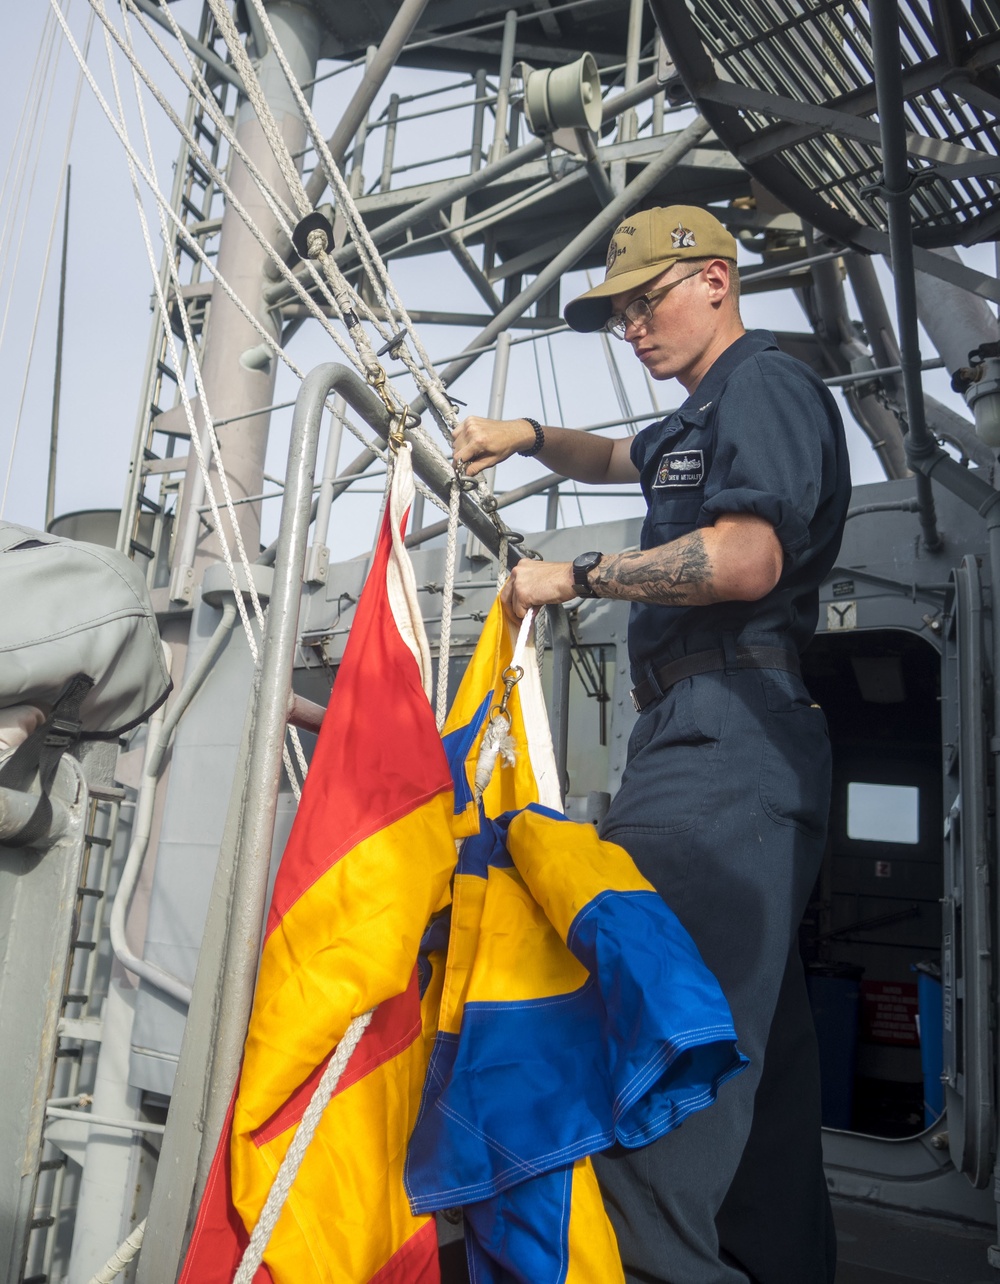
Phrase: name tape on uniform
(681, 468)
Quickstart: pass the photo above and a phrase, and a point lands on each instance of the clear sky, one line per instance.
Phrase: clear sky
(109, 292)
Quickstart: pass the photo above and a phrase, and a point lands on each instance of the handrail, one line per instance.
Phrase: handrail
(222, 993)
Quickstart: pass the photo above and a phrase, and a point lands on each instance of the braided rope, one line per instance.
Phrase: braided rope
(374, 266)
(194, 434)
(121, 1257)
(198, 88)
(284, 1178)
(219, 179)
(541, 633)
(502, 572)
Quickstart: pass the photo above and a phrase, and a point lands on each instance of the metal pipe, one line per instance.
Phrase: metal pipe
(389, 146)
(559, 631)
(223, 989)
(494, 410)
(263, 773)
(324, 500)
(142, 825)
(50, 489)
(896, 186)
(502, 501)
(473, 182)
(400, 29)
(602, 225)
(552, 508)
(478, 120)
(103, 1121)
(356, 181)
(219, 68)
(499, 145)
(956, 321)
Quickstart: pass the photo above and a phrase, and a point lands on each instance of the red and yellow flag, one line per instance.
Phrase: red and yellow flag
(366, 866)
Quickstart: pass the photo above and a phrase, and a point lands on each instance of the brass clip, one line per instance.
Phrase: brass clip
(510, 677)
(376, 378)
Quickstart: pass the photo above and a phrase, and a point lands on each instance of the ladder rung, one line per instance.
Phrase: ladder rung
(35, 1279)
(50, 1165)
(106, 793)
(145, 502)
(96, 841)
(195, 167)
(205, 132)
(67, 1000)
(40, 1223)
(89, 891)
(136, 547)
(83, 945)
(164, 369)
(192, 209)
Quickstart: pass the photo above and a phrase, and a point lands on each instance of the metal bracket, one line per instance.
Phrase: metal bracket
(918, 178)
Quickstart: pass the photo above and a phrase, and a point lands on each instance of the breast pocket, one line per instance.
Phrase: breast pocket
(674, 512)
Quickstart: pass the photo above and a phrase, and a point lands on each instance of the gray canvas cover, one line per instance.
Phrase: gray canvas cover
(74, 608)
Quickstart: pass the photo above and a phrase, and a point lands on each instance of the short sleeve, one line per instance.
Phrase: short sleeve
(773, 426)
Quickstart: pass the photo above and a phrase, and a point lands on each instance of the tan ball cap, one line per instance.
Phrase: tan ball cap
(644, 245)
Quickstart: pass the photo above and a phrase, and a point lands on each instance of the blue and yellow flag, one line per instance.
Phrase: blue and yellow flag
(576, 1011)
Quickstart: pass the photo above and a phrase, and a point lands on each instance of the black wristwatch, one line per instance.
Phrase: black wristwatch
(582, 566)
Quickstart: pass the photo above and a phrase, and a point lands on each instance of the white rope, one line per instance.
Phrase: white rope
(341, 296)
(195, 435)
(503, 573)
(284, 1178)
(198, 88)
(371, 260)
(541, 632)
(375, 268)
(262, 108)
(219, 179)
(121, 1257)
(447, 604)
(196, 250)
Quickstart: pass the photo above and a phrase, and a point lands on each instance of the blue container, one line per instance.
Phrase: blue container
(931, 1006)
(834, 992)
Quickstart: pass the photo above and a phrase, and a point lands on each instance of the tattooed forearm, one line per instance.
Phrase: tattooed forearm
(674, 574)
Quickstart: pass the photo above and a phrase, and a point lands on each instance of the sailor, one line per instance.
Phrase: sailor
(723, 804)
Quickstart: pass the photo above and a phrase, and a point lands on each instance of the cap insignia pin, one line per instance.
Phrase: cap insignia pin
(682, 238)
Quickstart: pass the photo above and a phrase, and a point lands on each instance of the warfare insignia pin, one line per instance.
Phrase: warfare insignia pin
(682, 238)
(615, 251)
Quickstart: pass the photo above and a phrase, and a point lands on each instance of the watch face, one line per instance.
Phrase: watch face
(582, 566)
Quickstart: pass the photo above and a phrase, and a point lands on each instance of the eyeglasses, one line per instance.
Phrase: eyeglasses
(640, 310)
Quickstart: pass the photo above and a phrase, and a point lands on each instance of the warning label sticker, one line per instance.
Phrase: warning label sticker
(888, 1013)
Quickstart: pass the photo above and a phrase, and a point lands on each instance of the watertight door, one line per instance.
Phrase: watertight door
(967, 945)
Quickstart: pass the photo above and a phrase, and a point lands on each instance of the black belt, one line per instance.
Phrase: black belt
(746, 657)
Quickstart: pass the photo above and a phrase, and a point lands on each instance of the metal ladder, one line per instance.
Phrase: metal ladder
(78, 1036)
(156, 470)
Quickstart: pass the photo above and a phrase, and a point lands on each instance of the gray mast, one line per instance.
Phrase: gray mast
(238, 375)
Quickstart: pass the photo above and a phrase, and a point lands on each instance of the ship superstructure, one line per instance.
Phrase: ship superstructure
(485, 154)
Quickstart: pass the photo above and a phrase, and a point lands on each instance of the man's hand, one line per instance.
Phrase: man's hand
(483, 443)
(534, 583)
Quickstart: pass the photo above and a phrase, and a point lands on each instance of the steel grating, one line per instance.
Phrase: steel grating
(789, 86)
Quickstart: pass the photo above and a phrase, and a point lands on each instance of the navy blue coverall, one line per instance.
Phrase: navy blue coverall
(723, 806)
